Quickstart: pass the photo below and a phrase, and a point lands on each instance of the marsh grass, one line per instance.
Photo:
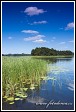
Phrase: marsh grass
(18, 72)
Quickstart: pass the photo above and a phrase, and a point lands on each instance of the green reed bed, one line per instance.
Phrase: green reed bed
(58, 56)
(20, 74)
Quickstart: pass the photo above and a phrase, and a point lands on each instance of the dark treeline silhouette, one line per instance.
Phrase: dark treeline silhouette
(16, 54)
(43, 51)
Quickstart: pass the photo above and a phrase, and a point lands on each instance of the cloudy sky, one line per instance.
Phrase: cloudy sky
(27, 25)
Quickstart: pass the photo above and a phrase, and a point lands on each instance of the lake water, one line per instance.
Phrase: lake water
(55, 93)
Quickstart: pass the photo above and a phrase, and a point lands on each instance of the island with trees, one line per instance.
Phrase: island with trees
(43, 51)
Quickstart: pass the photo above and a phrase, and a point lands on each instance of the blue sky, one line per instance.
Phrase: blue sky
(27, 25)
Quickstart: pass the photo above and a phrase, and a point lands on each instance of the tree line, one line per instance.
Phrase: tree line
(23, 54)
(43, 51)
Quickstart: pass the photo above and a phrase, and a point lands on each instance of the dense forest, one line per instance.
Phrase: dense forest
(43, 51)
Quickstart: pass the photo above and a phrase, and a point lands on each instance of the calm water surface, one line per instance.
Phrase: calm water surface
(55, 93)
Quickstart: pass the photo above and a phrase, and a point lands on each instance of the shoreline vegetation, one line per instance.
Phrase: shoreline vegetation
(19, 75)
(58, 56)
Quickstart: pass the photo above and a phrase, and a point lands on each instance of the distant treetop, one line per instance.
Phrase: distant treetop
(43, 51)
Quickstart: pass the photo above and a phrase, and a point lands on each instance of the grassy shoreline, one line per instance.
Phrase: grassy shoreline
(68, 56)
(20, 74)
(58, 56)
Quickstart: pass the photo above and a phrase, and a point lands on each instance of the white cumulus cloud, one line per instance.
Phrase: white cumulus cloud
(31, 11)
(39, 22)
(37, 37)
(69, 26)
(40, 41)
(30, 31)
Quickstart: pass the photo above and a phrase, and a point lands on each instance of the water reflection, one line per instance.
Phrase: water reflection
(54, 60)
(71, 86)
(36, 99)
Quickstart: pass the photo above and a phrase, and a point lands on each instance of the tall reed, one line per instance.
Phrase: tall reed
(17, 72)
